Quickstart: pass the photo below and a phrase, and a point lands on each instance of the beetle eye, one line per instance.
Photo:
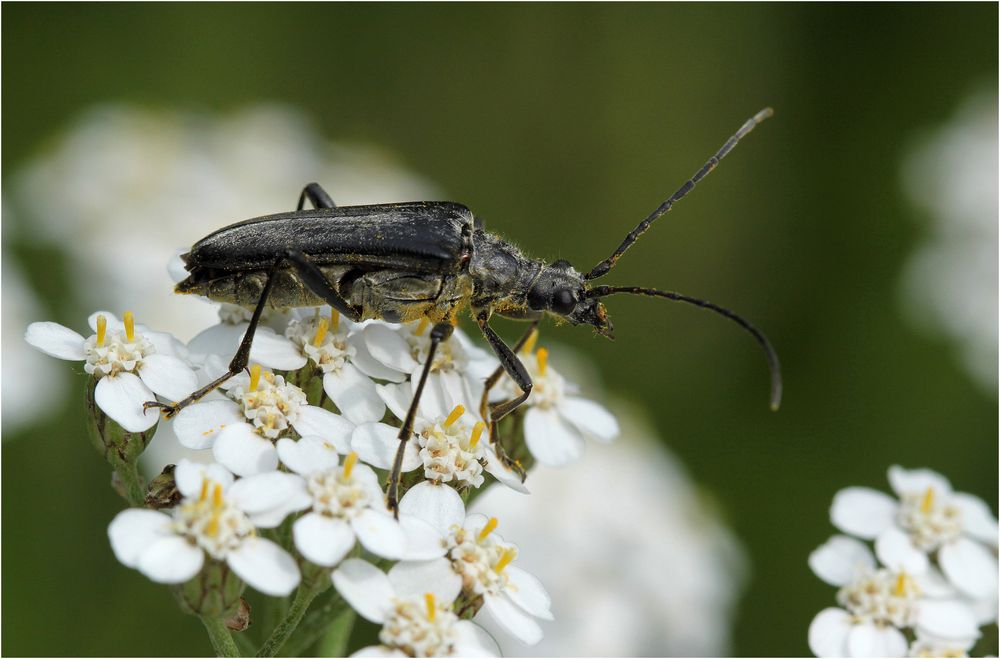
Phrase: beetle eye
(536, 301)
(563, 301)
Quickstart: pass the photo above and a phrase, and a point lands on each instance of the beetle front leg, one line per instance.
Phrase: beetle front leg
(439, 333)
(315, 193)
(240, 359)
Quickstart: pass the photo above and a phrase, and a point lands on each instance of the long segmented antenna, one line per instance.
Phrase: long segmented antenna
(772, 357)
(605, 266)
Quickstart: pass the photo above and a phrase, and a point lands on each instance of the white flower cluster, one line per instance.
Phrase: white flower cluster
(930, 583)
(304, 440)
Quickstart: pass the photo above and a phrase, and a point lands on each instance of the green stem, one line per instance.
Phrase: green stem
(337, 634)
(132, 484)
(222, 640)
(316, 624)
(303, 598)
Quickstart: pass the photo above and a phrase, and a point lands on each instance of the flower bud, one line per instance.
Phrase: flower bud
(240, 620)
(212, 593)
(117, 445)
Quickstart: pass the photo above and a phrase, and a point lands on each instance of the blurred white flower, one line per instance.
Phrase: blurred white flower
(950, 282)
(217, 517)
(675, 592)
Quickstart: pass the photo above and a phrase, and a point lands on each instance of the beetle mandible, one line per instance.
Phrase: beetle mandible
(405, 261)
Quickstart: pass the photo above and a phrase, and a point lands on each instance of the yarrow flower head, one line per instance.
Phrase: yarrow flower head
(260, 408)
(413, 603)
(217, 519)
(131, 363)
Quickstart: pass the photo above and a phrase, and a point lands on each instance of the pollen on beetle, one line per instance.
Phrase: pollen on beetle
(431, 605)
(487, 529)
(455, 415)
(129, 321)
(102, 329)
(543, 360)
(321, 327)
(477, 432)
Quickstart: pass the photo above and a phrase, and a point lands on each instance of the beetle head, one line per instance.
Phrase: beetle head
(560, 290)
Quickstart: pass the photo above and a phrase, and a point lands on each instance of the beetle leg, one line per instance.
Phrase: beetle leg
(315, 193)
(510, 363)
(439, 333)
(240, 359)
(317, 282)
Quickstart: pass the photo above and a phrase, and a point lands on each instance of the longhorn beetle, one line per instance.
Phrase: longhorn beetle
(406, 261)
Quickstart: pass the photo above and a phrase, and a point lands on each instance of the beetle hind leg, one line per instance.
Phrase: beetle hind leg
(315, 193)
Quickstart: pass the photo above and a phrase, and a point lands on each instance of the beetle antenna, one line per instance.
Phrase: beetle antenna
(605, 266)
(772, 357)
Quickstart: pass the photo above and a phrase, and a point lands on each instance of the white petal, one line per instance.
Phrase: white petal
(275, 351)
(376, 444)
(189, 476)
(415, 578)
(380, 533)
(55, 340)
(388, 347)
(323, 540)
(933, 584)
(828, 633)
(897, 552)
(435, 401)
(269, 497)
(378, 651)
(354, 395)
(862, 511)
(423, 542)
(589, 418)
(365, 587)
(947, 619)
(307, 455)
(366, 478)
(332, 427)
(243, 451)
(867, 640)
(503, 473)
(970, 567)
(513, 618)
(840, 559)
(198, 425)
(368, 364)
(265, 566)
(114, 325)
(171, 559)
(977, 519)
(438, 505)
(168, 376)
(551, 440)
(397, 397)
(917, 481)
(474, 641)
(222, 339)
(122, 398)
(528, 593)
(134, 530)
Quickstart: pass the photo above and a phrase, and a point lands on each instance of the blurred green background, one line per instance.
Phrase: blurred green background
(563, 125)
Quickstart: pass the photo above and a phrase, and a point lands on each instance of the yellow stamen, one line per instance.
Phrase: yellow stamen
(927, 503)
(204, 490)
(422, 327)
(349, 462)
(454, 416)
(543, 360)
(102, 329)
(254, 377)
(505, 558)
(477, 432)
(431, 606)
(217, 497)
(529, 344)
(334, 320)
(321, 327)
(212, 528)
(488, 529)
(901, 584)
(129, 326)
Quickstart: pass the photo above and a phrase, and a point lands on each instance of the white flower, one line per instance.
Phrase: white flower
(513, 597)
(325, 339)
(219, 518)
(413, 603)
(452, 445)
(268, 348)
(928, 517)
(242, 430)
(557, 421)
(346, 504)
(131, 363)
(878, 603)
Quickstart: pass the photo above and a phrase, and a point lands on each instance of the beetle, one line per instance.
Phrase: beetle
(405, 261)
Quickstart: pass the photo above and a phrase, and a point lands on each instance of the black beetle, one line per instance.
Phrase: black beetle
(406, 261)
